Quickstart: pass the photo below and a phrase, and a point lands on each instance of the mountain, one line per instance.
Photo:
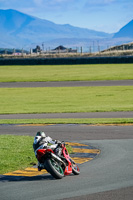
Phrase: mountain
(18, 30)
(126, 31)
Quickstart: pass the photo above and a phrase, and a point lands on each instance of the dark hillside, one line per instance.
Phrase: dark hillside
(126, 31)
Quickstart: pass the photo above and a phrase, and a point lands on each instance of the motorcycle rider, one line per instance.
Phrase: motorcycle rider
(41, 141)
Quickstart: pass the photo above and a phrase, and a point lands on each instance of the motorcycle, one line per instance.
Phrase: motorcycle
(57, 165)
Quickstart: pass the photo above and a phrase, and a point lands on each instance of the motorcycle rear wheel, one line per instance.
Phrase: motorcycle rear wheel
(54, 168)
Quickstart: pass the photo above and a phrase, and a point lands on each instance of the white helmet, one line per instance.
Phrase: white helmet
(38, 136)
(41, 133)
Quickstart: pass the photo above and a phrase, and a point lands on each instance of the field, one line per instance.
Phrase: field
(66, 99)
(66, 72)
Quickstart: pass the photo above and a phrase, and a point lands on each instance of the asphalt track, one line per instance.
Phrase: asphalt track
(67, 83)
(69, 115)
(110, 174)
(107, 177)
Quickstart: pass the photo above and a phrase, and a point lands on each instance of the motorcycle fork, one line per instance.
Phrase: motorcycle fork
(68, 169)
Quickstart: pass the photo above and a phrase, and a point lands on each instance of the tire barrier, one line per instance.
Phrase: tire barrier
(66, 61)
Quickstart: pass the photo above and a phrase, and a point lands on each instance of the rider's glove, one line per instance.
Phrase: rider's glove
(58, 142)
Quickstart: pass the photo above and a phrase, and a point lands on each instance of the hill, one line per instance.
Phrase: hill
(19, 30)
(126, 31)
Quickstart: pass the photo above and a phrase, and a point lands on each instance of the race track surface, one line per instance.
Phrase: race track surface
(108, 174)
(69, 115)
(72, 132)
(67, 83)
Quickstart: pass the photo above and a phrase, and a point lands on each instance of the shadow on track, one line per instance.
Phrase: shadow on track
(44, 177)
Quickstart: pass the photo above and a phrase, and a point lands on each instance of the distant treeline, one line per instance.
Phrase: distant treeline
(12, 51)
(66, 61)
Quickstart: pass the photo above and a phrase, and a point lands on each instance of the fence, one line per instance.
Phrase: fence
(48, 50)
(75, 50)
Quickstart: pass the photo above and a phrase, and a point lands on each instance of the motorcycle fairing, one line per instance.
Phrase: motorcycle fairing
(42, 152)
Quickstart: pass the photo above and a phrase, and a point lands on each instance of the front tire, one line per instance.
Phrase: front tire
(75, 168)
(54, 168)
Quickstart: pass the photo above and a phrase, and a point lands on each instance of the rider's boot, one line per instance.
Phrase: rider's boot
(39, 166)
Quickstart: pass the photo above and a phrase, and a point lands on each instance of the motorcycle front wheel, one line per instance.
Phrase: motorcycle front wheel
(54, 168)
(75, 169)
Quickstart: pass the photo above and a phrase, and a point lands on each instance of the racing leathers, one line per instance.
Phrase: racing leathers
(44, 143)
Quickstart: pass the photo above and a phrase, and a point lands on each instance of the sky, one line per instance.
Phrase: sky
(101, 15)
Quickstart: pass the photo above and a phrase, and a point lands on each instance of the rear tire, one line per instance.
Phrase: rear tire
(54, 168)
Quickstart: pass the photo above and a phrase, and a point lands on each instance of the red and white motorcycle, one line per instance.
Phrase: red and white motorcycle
(57, 166)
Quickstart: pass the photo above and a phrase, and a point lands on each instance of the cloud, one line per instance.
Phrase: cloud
(38, 2)
(1, 1)
(42, 8)
(97, 4)
(55, 4)
(106, 5)
(15, 4)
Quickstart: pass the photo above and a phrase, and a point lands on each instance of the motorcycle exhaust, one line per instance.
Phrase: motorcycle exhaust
(57, 159)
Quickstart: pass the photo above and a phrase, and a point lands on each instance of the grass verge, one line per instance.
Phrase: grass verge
(66, 99)
(16, 152)
(26, 122)
(22, 73)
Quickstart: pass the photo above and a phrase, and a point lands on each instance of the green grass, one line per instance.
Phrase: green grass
(16, 152)
(66, 99)
(96, 121)
(66, 72)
